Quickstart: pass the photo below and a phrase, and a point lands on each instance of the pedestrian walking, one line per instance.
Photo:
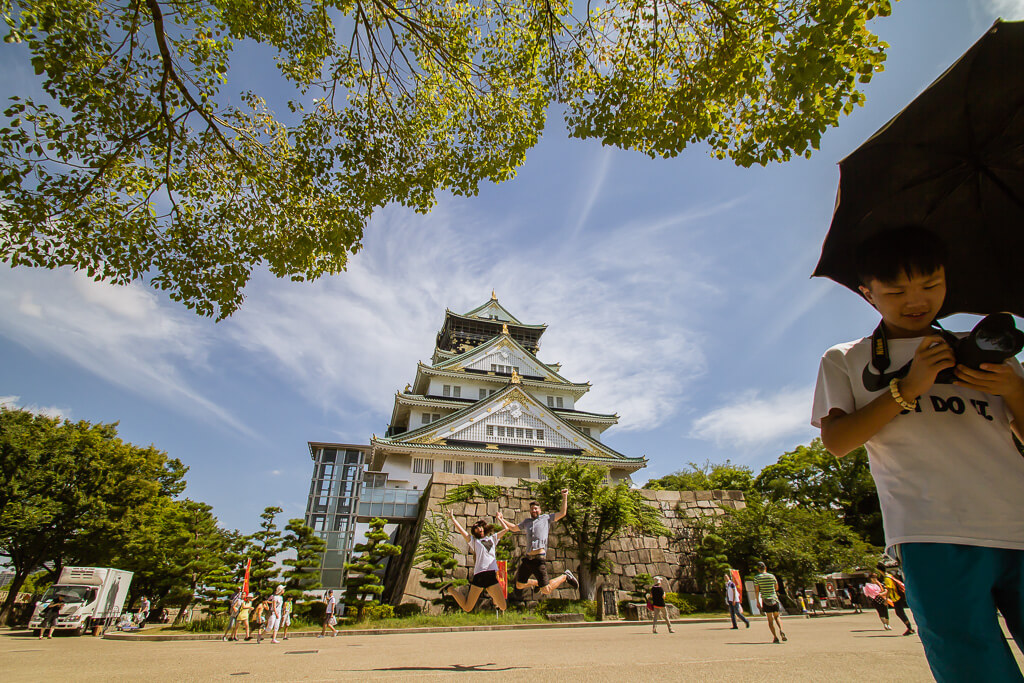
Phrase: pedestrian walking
(286, 618)
(874, 591)
(243, 617)
(275, 611)
(767, 593)
(896, 591)
(234, 606)
(733, 599)
(330, 603)
(532, 571)
(484, 543)
(657, 605)
(259, 615)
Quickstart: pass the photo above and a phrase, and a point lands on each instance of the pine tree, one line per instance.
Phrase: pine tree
(363, 585)
(303, 574)
(436, 557)
(263, 547)
(200, 547)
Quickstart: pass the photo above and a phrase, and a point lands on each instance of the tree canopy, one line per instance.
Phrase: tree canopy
(810, 477)
(147, 157)
(707, 477)
(597, 513)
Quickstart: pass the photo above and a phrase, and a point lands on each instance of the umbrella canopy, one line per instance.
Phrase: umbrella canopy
(952, 161)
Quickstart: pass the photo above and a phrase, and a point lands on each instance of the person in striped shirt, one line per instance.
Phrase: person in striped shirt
(766, 589)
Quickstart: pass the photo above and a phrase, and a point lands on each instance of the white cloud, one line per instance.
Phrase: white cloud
(121, 334)
(750, 421)
(1010, 10)
(617, 304)
(13, 403)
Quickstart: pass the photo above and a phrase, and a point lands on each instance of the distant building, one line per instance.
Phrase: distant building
(485, 406)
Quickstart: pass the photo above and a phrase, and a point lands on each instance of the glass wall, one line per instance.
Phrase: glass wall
(332, 505)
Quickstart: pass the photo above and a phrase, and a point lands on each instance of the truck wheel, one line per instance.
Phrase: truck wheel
(79, 630)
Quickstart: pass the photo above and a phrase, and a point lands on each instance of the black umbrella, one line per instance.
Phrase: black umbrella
(953, 161)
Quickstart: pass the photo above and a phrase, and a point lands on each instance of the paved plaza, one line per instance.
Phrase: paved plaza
(843, 648)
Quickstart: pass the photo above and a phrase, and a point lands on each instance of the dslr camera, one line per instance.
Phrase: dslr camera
(992, 340)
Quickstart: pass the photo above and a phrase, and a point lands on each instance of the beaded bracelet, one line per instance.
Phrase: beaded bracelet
(896, 396)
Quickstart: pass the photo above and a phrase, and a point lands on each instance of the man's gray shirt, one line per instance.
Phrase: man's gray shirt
(537, 532)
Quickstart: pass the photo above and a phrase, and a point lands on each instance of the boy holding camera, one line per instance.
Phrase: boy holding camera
(949, 476)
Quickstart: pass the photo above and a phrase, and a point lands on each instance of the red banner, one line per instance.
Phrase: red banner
(739, 583)
(245, 583)
(503, 576)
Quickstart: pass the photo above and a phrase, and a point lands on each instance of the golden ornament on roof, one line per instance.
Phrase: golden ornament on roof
(504, 328)
(494, 297)
(515, 378)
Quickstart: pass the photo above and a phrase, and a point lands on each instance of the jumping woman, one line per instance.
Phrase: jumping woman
(483, 542)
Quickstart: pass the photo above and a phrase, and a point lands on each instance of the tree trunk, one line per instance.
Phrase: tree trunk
(184, 608)
(599, 584)
(12, 594)
(587, 585)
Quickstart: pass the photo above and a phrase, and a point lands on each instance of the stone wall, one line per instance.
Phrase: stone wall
(670, 557)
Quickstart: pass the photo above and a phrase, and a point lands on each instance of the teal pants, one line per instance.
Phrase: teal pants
(954, 591)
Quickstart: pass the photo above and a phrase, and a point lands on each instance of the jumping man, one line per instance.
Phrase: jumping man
(534, 564)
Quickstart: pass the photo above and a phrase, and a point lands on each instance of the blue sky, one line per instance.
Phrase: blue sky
(680, 288)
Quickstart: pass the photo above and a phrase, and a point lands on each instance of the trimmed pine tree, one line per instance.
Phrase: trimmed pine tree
(363, 583)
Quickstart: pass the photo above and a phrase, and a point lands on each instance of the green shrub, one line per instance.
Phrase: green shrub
(685, 605)
(376, 612)
(408, 609)
(211, 625)
(564, 606)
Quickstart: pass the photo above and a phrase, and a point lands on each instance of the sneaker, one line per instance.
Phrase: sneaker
(274, 640)
(748, 624)
(224, 638)
(887, 627)
(735, 628)
(776, 640)
(570, 578)
(320, 636)
(784, 638)
(908, 632)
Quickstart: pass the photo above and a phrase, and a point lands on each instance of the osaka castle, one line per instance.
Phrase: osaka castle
(487, 405)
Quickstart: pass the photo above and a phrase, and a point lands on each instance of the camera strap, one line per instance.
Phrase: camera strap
(880, 348)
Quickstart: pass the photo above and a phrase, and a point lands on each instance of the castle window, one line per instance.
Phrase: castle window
(540, 434)
(585, 430)
(422, 466)
(460, 467)
(485, 469)
(490, 430)
(446, 390)
(447, 466)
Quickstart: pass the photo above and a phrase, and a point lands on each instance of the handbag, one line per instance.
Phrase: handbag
(333, 620)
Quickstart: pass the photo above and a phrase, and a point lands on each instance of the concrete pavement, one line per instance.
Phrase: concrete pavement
(850, 647)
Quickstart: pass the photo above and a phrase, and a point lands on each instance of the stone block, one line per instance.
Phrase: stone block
(629, 570)
(703, 495)
(687, 496)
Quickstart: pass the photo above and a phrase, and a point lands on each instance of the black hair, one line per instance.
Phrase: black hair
(488, 529)
(533, 502)
(912, 249)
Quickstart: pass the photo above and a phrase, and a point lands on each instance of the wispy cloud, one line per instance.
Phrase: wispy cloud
(13, 403)
(591, 191)
(1011, 10)
(121, 334)
(750, 420)
(617, 308)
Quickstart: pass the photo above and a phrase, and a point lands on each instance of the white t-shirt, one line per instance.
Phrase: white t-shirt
(276, 601)
(484, 550)
(949, 471)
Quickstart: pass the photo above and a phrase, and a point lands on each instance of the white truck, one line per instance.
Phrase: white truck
(92, 596)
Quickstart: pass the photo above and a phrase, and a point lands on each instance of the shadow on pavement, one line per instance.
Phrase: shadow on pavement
(453, 668)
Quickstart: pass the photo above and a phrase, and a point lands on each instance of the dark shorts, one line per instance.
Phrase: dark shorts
(769, 607)
(485, 579)
(533, 566)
